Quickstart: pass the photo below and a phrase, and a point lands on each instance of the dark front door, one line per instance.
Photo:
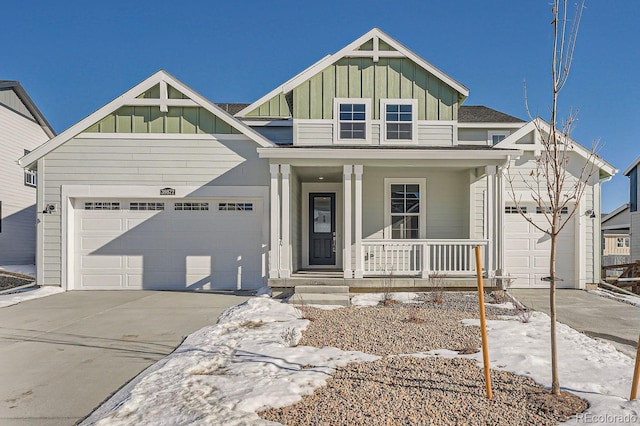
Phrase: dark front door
(322, 228)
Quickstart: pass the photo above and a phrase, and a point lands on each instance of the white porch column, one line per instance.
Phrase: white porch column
(285, 256)
(358, 169)
(500, 204)
(491, 218)
(346, 238)
(274, 219)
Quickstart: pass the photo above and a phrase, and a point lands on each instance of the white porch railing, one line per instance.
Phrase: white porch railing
(421, 257)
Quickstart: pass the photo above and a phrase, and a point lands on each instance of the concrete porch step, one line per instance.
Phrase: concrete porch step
(341, 299)
(322, 289)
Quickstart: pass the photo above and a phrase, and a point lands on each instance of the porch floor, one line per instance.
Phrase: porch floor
(334, 278)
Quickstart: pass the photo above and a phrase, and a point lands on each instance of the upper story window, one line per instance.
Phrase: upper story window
(622, 242)
(352, 120)
(30, 176)
(497, 137)
(399, 119)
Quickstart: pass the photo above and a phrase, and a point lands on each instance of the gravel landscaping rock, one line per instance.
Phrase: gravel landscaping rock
(9, 281)
(426, 391)
(401, 390)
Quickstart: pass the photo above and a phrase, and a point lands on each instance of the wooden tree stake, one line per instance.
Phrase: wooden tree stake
(636, 375)
(483, 325)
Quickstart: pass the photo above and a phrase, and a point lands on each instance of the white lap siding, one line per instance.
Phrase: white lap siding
(164, 161)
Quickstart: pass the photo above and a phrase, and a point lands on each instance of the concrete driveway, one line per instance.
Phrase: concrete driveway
(595, 316)
(61, 356)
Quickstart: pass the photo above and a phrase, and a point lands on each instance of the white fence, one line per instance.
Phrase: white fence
(420, 257)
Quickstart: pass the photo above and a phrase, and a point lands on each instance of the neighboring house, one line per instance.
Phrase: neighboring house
(616, 240)
(365, 164)
(633, 171)
(22, 129)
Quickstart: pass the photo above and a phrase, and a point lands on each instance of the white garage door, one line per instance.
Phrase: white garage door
(203, 244)
(527, 250)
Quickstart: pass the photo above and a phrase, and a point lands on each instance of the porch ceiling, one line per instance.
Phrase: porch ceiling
(319, 174)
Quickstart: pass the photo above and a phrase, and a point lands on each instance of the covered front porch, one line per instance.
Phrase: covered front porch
(388, 218)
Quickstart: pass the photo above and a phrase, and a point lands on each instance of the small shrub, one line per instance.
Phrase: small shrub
(413, 315)
(289, 337)
(436, 282)
(498, 297)
(523, 313)
(302, 310)
(468, 347)
(387, 300)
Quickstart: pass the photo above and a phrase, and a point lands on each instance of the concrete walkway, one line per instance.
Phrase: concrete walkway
(61, 356)
(595, 316)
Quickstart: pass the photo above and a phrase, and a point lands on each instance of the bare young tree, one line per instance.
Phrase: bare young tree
(556, 186)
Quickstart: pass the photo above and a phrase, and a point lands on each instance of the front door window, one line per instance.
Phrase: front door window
(322, 229)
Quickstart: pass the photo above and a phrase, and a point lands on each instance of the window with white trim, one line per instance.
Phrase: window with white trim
(405, 210)
(497, 137)
(515, 209)
(30, 176)
(247, 207)
(622, 242)
(352, 118)
(145, 206)
(191, 206)
(399, 119)
(101, 205)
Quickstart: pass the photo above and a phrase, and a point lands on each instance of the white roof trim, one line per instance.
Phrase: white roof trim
(348, 50)
(390, 154)
(634, 164)
(487, 125)
(532, 126)
(128, 98)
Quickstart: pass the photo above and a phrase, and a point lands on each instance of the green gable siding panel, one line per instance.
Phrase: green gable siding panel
(156, 121)
(124, 120)
(328, 91)
(146, 119)
(433, 95)
(172, 120)
(382, 45)
(367, 46)
(407, 77)
(380, 88)
(355, 78)
(420, 82)
(393, 78)
(153, 93)
(301, 100)
(276, 107)
(141, 117)
(315, 96)
(207, 123)
(174, 93)
(389, 78)
(342, 78)
(368, 82)
(189, 123)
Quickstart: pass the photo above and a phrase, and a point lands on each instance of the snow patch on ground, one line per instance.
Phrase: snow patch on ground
(374, 299)
(225, 373)
(27, 294)
(592, 369)
(632, 300)
(29, 270)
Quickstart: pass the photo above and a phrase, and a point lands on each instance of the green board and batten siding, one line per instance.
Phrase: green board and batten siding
(149, 119)
(389, 78)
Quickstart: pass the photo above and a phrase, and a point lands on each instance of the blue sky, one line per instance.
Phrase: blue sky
(75, 56)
